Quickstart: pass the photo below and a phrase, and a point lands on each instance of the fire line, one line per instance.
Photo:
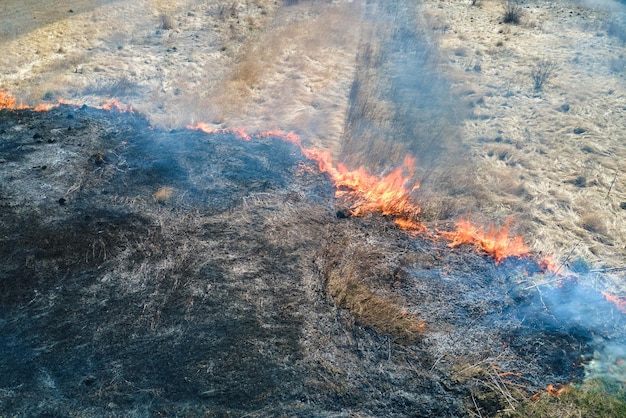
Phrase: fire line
(389, 195)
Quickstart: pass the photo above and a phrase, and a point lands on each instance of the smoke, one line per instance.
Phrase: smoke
(398, 103)
(575, 307)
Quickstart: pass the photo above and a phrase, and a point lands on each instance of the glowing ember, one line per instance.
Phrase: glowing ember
(494, 241)
(558, 389)
(618, 301)
(549, 263)
(554, 390)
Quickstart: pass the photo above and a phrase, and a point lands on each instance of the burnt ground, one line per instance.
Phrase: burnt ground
(174, 273)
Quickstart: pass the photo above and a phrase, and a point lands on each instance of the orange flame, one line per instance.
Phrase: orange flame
(9, 102)
(558, 389)
(115, 104)
(618, 301)
(388, 195)
(409, 225)
(554, 390)
(494, 241)
(206, 128)
(44, 107)
(550, 264)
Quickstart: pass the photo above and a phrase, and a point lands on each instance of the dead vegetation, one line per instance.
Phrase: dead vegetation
(512, 12)
(259, 67)
(361, 277)
(541, 72)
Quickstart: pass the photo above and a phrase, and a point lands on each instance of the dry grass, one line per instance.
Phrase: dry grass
(547, 168)
(512, 12)
(595, 398)
(163, 194)
(383, 315)
(360, 277)
(166, 22)
(541, 72)
(594, 223)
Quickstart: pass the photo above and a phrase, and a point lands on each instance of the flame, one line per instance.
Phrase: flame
(558, 389)
(620, 302)
(494, 241)
(368, 193)
(206, 128)
(8, 102)
(115, 104)
(388, 195)
(550, 264)
(44, 107)
(409, 225)
(554, 390)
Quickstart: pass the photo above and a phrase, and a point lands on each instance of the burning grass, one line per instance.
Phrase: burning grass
(244, 232)
(497, 242)
(594, 398)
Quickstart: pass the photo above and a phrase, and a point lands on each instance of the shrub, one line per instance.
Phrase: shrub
(166, 22)
(512, 12)
(541, 72)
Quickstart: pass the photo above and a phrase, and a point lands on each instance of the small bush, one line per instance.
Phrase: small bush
(512, 12)
(541, 72)
(166, 22)
(594, 223)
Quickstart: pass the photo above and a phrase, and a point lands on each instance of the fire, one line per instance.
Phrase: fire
(496, 242)
(619, 302)
(388, 195)
(368, 193)
(554, 390)
(206, 128)
(550, 264)
(44, 107)
(114, 104)
(9, 102)
(558, 389)
(409, 225)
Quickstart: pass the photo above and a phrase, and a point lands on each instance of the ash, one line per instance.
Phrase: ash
(174, 273)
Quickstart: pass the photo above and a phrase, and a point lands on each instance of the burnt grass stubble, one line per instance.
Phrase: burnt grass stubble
(213, 300)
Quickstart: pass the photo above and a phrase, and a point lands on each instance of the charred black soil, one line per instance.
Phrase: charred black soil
(176, 273)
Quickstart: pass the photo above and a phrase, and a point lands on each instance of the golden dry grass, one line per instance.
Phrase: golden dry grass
(551, 156)
(163, 194)
(360, 277)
